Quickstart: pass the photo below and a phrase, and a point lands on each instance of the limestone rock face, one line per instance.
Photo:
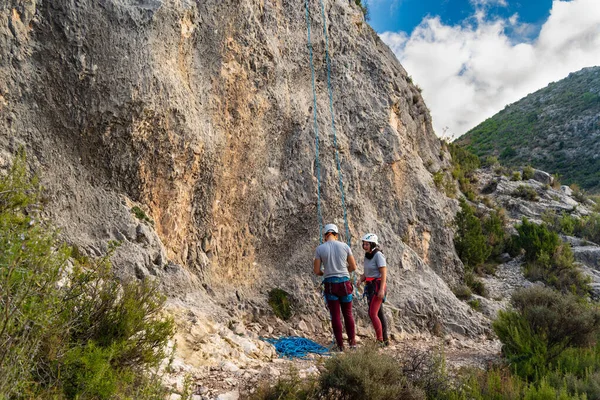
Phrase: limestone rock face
(198, 116)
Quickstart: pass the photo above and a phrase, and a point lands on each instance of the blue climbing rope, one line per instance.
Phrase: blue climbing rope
(330, 90)
(333, 128)
(296, 347)
(317, 165)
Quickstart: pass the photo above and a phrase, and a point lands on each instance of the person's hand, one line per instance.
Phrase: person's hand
(381, 294)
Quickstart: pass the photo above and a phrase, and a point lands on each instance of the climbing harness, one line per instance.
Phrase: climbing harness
(296, 347)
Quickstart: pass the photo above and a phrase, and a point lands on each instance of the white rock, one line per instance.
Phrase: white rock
(229, 366)
(234, 395)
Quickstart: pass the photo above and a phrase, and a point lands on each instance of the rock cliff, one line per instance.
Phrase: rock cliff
(197, 116)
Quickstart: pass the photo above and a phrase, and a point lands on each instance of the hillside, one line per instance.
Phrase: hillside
(556, 129)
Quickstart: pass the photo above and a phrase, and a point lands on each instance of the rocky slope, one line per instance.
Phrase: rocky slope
(183, 129)
(555, 129)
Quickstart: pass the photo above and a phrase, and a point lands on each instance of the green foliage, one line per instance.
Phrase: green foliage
(438, 179)
(366, 374)
(493, 229)
(526, 192)
(490, 161)
(542, 325)
(279, 300)
(364, 7)
(289, 387)
(30, 265)
(141, 215)
(536, 240)
(463, 292)
(578, 193)
(464, 164)
(516, 176)
(550, 261)
(528, 173)
(476, 285)
(469, 241)
(475, 304)
(87, 337)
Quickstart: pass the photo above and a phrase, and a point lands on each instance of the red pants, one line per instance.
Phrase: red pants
(376, 310)
(336, 322)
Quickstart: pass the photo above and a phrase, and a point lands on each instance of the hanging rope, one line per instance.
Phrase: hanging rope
(317, 165)
(335, 145)
(337, 156)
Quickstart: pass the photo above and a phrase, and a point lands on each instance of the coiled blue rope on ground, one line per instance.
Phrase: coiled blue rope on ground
(296, 347)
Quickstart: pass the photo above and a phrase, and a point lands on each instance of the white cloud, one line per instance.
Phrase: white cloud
(470, 72)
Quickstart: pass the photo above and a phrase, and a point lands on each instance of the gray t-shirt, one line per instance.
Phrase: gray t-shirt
(334, 258)
(372, 266)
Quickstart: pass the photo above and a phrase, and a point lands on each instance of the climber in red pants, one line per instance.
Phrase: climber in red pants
(375, 274)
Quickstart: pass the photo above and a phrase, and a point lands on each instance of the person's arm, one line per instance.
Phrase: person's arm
(351, 263)
(381, 293)
(317, 267)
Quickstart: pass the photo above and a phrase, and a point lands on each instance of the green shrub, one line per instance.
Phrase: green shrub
(462, 292)
(541, 326)
(493, 229)
(438, 179)
(476, 285)
(469, 241)
(279, 300)
(528, 173)
(31, 263)
(141, 215)
(526, 192)
(578, 193)
(475, 304)
(516, 176)
(536, 240)
(367, 374)
(289, 387)
(490, 161)
(87, 337)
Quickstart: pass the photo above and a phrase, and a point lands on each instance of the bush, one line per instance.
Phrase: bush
(367, 374)
(516, 176)
(528, 173)
(469, 241)
(280, 303)
(87, 337)
(526, 192)
(541, 326)
(462, 292)
(289, 387)
(536, 240)
(493, 229)
(476, 285)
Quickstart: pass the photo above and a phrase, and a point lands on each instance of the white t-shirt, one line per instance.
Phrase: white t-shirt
(372, 266)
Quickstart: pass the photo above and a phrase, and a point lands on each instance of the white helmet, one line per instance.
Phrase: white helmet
(370, 237)
(330, 228)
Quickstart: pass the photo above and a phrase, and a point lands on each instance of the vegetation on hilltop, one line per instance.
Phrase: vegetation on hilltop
(556, 129)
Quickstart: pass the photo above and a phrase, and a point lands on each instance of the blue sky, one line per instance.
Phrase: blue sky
(473, 57)
(405, 15)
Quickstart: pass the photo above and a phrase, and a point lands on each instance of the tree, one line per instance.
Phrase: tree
(469, 241)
